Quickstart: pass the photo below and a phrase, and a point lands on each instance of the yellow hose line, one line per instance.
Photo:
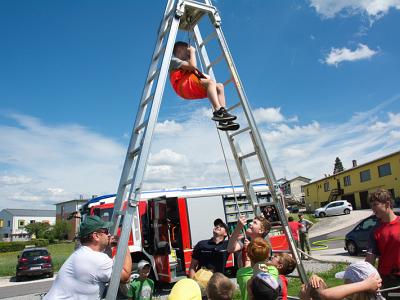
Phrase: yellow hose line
(322, 244)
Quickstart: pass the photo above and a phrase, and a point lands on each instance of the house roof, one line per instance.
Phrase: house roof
(74, 200)
(356, 167)
(31, 212)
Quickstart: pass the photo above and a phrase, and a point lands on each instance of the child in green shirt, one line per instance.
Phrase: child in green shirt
(142, 288)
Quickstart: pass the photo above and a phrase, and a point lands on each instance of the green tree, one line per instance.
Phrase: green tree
(338, 166)
(38, 230)
(60, 230)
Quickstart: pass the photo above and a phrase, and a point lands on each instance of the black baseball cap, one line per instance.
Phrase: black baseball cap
(221, 223)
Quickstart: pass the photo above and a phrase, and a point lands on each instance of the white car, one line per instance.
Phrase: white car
(337, 207)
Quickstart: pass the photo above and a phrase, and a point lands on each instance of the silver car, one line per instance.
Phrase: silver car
(337, 207)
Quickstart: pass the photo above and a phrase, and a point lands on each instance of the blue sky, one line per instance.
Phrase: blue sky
(321, 76)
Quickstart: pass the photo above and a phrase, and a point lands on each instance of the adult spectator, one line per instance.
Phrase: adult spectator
(384, 241)
(295, 227)
(211, 254)
(259, 227)
(303, 234)
(87, 270)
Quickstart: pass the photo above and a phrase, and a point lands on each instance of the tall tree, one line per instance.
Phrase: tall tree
(338, 166)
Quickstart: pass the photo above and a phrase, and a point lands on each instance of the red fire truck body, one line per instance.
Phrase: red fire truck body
(164, 236)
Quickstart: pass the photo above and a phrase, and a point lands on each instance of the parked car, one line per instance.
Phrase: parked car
(293, 208)
(356, 241)
(34, 262)
(337, 207)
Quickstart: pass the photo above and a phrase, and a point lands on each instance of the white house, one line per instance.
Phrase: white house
(293, 189)
(13, 222)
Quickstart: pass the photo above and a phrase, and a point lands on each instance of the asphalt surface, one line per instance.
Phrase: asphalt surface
(330, 239)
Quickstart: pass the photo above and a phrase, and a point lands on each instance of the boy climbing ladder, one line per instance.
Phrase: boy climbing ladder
(189, 83)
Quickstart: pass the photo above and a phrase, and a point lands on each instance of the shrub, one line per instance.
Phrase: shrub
(41, 242)
(11, 246)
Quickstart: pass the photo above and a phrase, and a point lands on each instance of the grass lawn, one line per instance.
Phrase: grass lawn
(59, 253)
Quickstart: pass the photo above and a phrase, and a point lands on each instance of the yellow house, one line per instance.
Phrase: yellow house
(354, 184)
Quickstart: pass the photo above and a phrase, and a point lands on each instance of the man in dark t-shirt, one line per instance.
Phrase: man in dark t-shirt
(384, 242)
(211, 254)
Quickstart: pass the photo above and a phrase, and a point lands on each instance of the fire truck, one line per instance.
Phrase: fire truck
(172, 221)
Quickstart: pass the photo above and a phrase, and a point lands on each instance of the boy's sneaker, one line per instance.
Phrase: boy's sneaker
(229, 125)
(222, 115)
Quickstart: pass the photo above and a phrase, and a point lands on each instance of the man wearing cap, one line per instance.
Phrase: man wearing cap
(384, 241)
(87, 270)
(211, 254)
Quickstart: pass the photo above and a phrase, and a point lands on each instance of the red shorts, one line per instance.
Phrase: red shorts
(187, 85)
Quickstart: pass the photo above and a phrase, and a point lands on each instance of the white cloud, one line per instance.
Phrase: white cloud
(372, 8)
(14, 180)
(68, 160)
(337, 55)
(168, 127)
(268, 115)
(167, 157)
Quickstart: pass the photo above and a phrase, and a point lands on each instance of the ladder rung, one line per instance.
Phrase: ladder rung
(256, 179)
(240, 131)
(219, 58)
(135, 152)
(161, 51)
(162, 34)
(154, 75)
(141, 126)
(147, 100)
(128, 182)
(228, 81)
(248, 155)
(234, 106)
(281, 251)
(208, 39)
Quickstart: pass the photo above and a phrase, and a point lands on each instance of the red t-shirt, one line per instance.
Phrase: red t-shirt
(284, 282)
(294, 227)
(385, 243)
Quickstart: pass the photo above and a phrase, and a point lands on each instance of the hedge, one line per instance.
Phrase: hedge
(18, 246)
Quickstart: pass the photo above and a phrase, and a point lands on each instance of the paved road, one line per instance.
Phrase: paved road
(333, 235)
(32, 288)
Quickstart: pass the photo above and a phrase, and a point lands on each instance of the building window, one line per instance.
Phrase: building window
(32, 221)
(308, 192)
(302, 189)
(1, 223)
(8, 223)
(384, 170)
(21, 223)
(6, 235)
(347, 180)
(365, 175)
(326, 186)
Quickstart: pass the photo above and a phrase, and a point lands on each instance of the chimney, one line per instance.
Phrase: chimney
(354, 163)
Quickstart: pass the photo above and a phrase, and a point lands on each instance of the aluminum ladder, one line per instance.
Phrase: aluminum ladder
(185, 15)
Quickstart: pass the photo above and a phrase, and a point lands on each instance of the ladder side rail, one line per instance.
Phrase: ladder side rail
(265, 162)
(118, 203)
(205, 61)
(246, 105)
(141, 164)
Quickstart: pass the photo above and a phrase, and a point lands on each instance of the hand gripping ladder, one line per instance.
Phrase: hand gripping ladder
(176, 16)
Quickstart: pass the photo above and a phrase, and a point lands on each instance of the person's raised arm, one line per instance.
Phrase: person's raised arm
(233, 243)
(371, 285)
